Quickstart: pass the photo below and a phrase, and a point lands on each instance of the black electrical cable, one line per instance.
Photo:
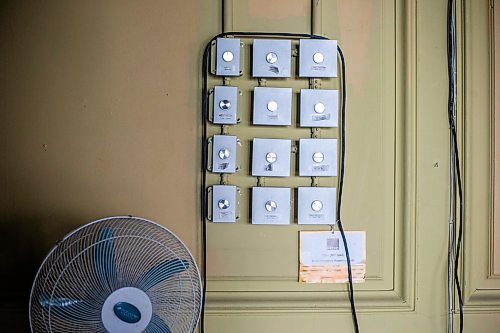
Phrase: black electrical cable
(341, 188)
(204, 151)
(203, 197)
(451, 118)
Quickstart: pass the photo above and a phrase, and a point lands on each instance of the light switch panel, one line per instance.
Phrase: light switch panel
(272, 106)
(319, 108)
(316, 205)
(271, 205)
(224, 153)
(271, 157)
(228, 57)
(225, 105)
(224, 203)
(271, 58)
(317, 58)
(318, 157)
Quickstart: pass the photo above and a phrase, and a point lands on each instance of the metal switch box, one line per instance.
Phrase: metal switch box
(316, 205)
(272, 106)
(271, 58)
(228, 57)
(319, 108)
(270, 205)
(318, 157)
(225, 105)
(224, 203)
(224, 154)
(271, 157)
(317, 58)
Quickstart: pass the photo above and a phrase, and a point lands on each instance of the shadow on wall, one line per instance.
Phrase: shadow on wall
(25, 242)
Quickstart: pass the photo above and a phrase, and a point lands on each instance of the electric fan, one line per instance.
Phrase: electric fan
(117, 275)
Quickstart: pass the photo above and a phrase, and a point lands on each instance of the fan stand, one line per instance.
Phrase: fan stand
(127, 310)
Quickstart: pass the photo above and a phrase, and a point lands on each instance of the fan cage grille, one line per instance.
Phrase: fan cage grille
(82, 270)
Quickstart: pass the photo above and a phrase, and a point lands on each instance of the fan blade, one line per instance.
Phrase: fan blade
(69, 308)
(162, 272)
(105, 259)
(157, 325)
(48, 302)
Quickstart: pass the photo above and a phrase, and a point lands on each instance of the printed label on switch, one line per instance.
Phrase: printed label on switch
(228, 57)
(316, 205)
(225, 105)
(271, 157)
(318, 157)
(319, 108)
(271, 58)
(224, 154)
(224, 203)
(317, 58)
(271, 205)
(272, 106)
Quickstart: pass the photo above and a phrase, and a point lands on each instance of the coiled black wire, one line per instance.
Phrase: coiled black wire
(204, 154)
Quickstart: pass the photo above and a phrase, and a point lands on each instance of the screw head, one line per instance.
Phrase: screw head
(316, 205)
(271, 57)
(318, 57)
(271, 157)
(318, 157)
(319, 107)
(223, 204)
(224, 104)
(227, 56)
(272, 106)
(224, 153)
(271, 206)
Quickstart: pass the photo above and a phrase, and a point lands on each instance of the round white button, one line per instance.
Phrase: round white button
(318, 57)
(272, 106)
(225, 104)
(316, 205)
(224, 153)
(318, 157)
(271, 57)
(271, 157)
(223, 204)
(271, 206)
(227, 56)
(319, 107)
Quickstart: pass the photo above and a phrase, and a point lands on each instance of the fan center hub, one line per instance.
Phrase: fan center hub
(127, 310)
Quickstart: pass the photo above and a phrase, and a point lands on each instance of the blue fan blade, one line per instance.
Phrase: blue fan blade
(67, 308)
(59, 302)
(157, 325)
(161, 272)
(105, 259)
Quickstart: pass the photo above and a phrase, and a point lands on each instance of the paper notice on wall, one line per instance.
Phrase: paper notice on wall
(323, 258)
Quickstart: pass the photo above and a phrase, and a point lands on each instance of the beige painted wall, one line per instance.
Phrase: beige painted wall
(99, 115)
